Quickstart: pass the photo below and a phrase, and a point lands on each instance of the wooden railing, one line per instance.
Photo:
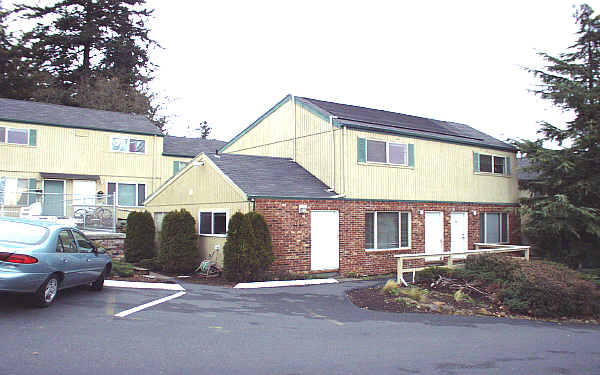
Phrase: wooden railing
(450, 257)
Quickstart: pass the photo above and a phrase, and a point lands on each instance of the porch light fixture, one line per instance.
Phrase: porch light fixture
(474, 213)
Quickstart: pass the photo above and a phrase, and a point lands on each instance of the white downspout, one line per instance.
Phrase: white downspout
(332, 153)
(153, 162)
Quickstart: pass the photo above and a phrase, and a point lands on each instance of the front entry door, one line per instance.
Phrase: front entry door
(324, 240)
(53, 198)
(458, 233)
(434, 234)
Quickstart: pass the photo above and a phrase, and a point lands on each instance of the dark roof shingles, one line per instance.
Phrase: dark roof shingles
(264, 176)
(85, 118)
(379, 120)
(189, 147)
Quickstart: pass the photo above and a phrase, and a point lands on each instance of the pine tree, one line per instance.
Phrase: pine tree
(563, 213)
(79, 47)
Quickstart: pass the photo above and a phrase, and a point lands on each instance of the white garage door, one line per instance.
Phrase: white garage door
(324, 240)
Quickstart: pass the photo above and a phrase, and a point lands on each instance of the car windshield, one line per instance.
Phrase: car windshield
(22, 233)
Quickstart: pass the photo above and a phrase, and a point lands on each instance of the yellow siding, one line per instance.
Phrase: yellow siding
(314, 145)
(442, 172)
(273, 136)
(201, 188)
(84, 151)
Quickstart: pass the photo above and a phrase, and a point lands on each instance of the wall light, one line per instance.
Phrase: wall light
(474, 213)
(420, 212)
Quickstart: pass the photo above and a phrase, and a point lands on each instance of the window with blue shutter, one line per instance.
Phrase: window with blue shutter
(361, 150)
(32, 137)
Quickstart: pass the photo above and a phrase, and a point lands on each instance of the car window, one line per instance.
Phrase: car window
(68, 242)
(29, 234)
(85, 245)
(59, 246)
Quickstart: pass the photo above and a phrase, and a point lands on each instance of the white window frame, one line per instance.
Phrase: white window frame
(116, 197)
(484, 239)
(399, 230)
(128, 139)
(387, 152)
(6, 129)
(213, 211)
(493, 156)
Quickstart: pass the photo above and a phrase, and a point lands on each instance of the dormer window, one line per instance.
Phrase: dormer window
(126, 144)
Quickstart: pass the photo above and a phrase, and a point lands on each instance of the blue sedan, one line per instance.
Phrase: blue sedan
(41, 258)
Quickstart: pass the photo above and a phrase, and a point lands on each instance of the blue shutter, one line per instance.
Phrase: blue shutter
(361, 150)
(475, 162)
(507, 166)
(32, 137)
(411, 155)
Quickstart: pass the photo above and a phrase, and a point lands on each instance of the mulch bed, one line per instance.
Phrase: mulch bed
(441, 301)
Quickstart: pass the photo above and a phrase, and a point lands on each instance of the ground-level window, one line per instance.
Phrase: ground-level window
(213, 222)
(494, 227)
(387, 230)
(17, 191)
(128, 194)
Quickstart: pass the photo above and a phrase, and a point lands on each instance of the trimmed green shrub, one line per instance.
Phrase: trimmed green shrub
(122, 269)
(178, 243)
(264, 246)
(150, 264)
(139, 239)
(239, 251)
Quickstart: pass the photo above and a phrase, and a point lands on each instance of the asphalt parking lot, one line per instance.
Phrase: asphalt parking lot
(296, 330)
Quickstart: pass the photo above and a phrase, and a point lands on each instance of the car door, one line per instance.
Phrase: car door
(70, 263)
(92, 263)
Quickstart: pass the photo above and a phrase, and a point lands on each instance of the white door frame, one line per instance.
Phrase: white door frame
(313, 254)
(441, 245)
(453, 232)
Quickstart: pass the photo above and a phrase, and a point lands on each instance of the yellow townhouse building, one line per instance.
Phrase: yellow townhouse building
(63, 157)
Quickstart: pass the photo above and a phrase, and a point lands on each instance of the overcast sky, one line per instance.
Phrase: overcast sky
(228, 62)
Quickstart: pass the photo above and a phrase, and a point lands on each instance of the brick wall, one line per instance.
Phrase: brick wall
(290, 231)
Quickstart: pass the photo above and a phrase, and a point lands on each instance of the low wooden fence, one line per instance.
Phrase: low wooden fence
(450, 257)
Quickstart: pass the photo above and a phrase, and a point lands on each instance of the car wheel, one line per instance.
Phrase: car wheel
(47, 292)
(99, 283)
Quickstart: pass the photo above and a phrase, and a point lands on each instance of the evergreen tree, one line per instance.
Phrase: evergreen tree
(264, 245)
(239, 252)
(80, 47)
(139, 240)
(178, 243)
(563, 213)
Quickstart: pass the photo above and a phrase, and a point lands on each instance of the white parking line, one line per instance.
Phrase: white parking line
(274, 284)
(141, 285)
(123, 314)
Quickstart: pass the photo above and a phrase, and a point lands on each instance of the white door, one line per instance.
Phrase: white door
(84, 193)
(434, 233)
(324, 240)
(458, 233)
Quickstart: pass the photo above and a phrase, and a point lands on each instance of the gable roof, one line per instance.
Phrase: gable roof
(189, 147)
(391, 122)
(265, 176)
(29, 112)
